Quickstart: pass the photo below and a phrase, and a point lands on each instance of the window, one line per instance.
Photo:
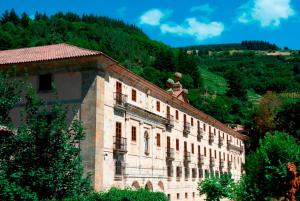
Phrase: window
(186, 195)
(133, 95)
(204, 151)
(200, 175)
(133, 133)
(192, 148)
(194, 172)
(169, 196)
(193, 194)
(177, 145)
(206, 173)
(215, 154)
(158, 140)
(199, 150)
(178, 171)
(177, 114)
(204, 127)
(118, 129)
(157, 106)
(146, 136)
(45, 82)
(192, 121)
(178, 196)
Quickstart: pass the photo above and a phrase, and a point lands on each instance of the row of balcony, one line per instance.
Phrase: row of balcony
(121, 104)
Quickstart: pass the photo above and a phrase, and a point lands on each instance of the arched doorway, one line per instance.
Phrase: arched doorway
(161, 186)
(135, 185)
(149, 186)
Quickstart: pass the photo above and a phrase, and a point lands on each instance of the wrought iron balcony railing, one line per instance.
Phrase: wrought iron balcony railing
(231, 146)
(170, 154)
(200, 160)
(120, 145)
(170, 121)
(200, 134)
(186, 128)
(221, 141)
(186, 157)
(120, 101)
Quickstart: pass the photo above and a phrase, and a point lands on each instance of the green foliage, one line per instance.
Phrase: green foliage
(216, 188)
(287, 119)
(42, 161)
(10, 90)
(213, 83)
(115, 194)
(266, 170)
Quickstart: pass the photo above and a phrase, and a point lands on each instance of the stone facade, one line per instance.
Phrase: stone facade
(138, 135)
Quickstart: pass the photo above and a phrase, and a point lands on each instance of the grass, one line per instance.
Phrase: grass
(213, 83)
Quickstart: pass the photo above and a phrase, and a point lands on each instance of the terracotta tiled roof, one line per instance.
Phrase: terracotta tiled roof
(43, 53)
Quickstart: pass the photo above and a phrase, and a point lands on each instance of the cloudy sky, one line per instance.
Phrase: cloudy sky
(189, 22)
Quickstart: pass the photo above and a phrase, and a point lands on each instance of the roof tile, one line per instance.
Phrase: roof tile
(43, 53)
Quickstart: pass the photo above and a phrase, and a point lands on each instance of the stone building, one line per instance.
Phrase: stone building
(137, 134)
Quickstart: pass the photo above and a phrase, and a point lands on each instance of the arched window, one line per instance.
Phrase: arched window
(146, 136)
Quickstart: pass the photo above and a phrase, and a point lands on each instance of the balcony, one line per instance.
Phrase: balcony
(211, 138)
(230, 146)
(221, 141)
(200, 134)
(186, 128)
(200, 160)
(120, 101)
(221, 165)
(119, 170)
(212, 162)
(170, 121)
(170, 154)
(120, 145)
(187, 157)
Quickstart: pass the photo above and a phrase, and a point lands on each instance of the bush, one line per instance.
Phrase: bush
(115, 194)
(217, 188)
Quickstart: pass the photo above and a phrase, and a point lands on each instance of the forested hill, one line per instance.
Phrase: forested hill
(223, 83)
(244, 45)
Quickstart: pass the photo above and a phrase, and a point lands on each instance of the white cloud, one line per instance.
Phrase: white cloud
(202, 8)
(194, 28)
(154, 16)
(269, 13)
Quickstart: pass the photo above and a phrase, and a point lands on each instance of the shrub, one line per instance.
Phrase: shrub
(217, 188)
(115, 194)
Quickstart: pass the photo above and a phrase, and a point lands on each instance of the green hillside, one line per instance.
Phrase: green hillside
(227, 85)
(213, 83)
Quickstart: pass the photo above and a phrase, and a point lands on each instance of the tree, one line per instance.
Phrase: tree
(265, 116)
(10, 90)
(42, 161)
(287, 119)
(266, 170)
(216, 188)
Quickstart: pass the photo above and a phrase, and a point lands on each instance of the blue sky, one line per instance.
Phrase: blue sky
(188, 22)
